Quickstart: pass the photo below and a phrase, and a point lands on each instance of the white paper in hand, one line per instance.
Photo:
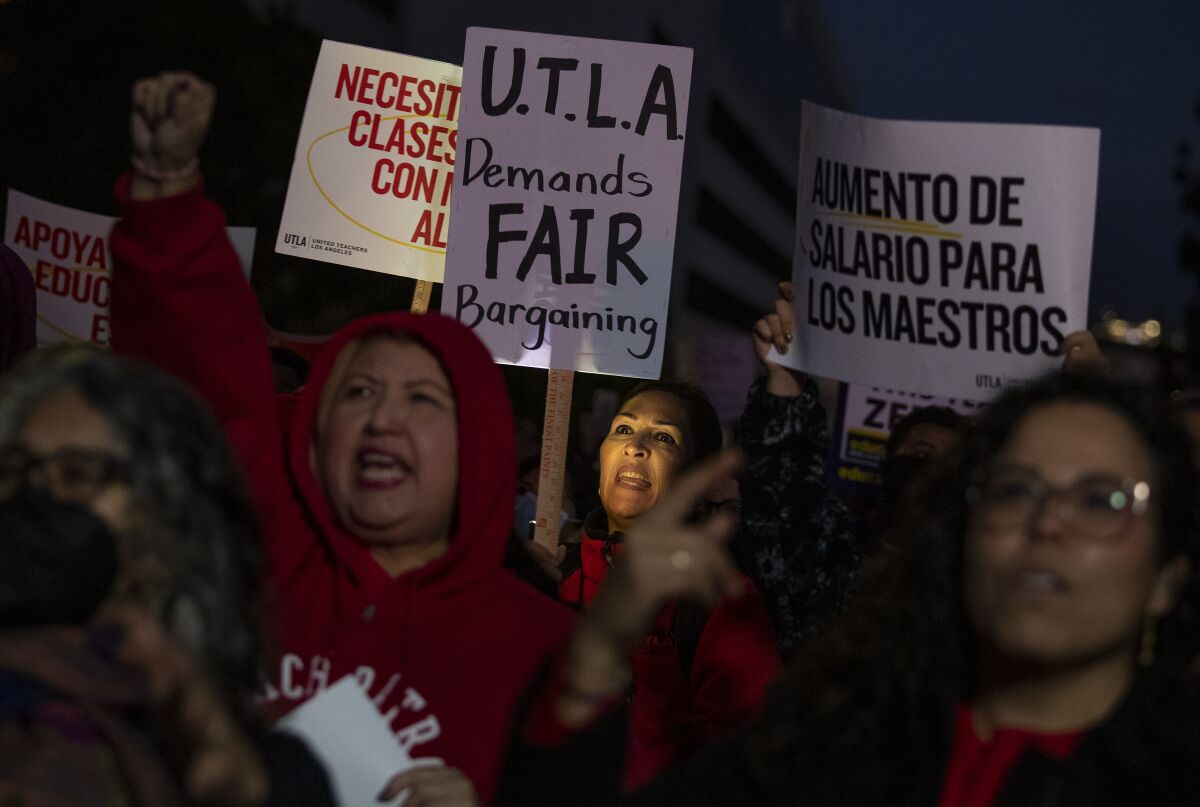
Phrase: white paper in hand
(349, 736)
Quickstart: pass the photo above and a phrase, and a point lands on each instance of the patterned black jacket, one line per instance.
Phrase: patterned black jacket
(798, 542)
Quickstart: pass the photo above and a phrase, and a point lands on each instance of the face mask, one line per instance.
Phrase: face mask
(898, 473)
(526, 512)
(58, 561)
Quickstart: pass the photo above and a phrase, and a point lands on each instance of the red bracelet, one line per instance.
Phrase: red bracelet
(158, 175)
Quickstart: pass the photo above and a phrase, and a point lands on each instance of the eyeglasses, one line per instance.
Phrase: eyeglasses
(706, 507)
(1097, 506)
(71, 474)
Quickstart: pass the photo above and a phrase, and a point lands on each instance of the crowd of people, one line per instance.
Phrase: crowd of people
(185, 558)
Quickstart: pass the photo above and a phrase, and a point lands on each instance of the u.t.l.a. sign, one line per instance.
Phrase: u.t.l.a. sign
(565, 199)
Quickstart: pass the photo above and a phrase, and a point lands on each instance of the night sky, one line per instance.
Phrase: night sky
(1131, 69)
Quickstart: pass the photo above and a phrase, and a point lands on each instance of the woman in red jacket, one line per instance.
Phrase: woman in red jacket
(698, 671)
(387, 513)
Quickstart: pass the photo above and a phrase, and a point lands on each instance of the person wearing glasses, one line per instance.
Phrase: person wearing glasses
(800, 541)
(1033, 640)
(130, 583)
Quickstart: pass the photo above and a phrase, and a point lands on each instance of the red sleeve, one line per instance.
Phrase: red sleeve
(181, 302)
(736, 658)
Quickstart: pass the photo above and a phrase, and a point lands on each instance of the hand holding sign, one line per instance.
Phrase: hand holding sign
(168, 123)
(353, 742)
(432, 787)
(547, 561)
(1081, 354)
(777, 330)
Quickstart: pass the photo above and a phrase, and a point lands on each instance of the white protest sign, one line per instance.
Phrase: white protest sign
(374, 165)
(867, 417)
(349, 736)
(66, 250)
(949, 258)
(565, 199)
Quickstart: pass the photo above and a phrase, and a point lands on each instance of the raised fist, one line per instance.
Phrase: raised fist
(169, 121)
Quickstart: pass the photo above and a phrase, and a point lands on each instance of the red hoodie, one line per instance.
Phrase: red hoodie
(444, 650)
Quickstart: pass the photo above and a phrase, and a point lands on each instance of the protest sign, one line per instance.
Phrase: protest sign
(949, 258)
(66, 250)
(353, 741)
(565, 199)
(374, 165)
(866, 417)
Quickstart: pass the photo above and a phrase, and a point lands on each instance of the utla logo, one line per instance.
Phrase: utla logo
(295, 240)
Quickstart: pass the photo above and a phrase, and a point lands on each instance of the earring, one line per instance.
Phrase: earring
(1147, 642)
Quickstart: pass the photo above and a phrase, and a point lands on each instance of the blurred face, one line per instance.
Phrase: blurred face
(67, 448)
(725, 496)
(1074, 580)
(647, 442)
(387, 444)
(928, 440)
(79, 455)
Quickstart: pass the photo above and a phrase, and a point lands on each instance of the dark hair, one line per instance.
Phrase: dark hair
(196, 535)
(287, 360)
(528, 464)
(942, 416)
(884, 680)
(1183, 402)
(703, 422)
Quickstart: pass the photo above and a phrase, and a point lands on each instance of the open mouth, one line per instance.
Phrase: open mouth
(380, 469)
(1035, 581)
(633, 479)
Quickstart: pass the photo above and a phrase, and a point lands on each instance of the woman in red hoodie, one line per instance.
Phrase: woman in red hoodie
(387, 513)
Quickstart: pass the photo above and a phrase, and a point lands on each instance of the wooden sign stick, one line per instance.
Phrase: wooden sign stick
(420, 299)
(555, 429)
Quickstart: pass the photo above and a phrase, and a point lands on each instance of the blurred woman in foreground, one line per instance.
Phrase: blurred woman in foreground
(1031, 644)
(130, 573)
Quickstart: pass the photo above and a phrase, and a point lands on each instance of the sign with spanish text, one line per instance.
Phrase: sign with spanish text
(945, 258)
(374, 164)
(566, 197)
(66, 250)
(866, 417)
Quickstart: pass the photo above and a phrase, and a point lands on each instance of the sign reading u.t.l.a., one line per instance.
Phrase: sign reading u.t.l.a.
(67, 253)
(565, 199)
(944, 258)
(374, 165)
